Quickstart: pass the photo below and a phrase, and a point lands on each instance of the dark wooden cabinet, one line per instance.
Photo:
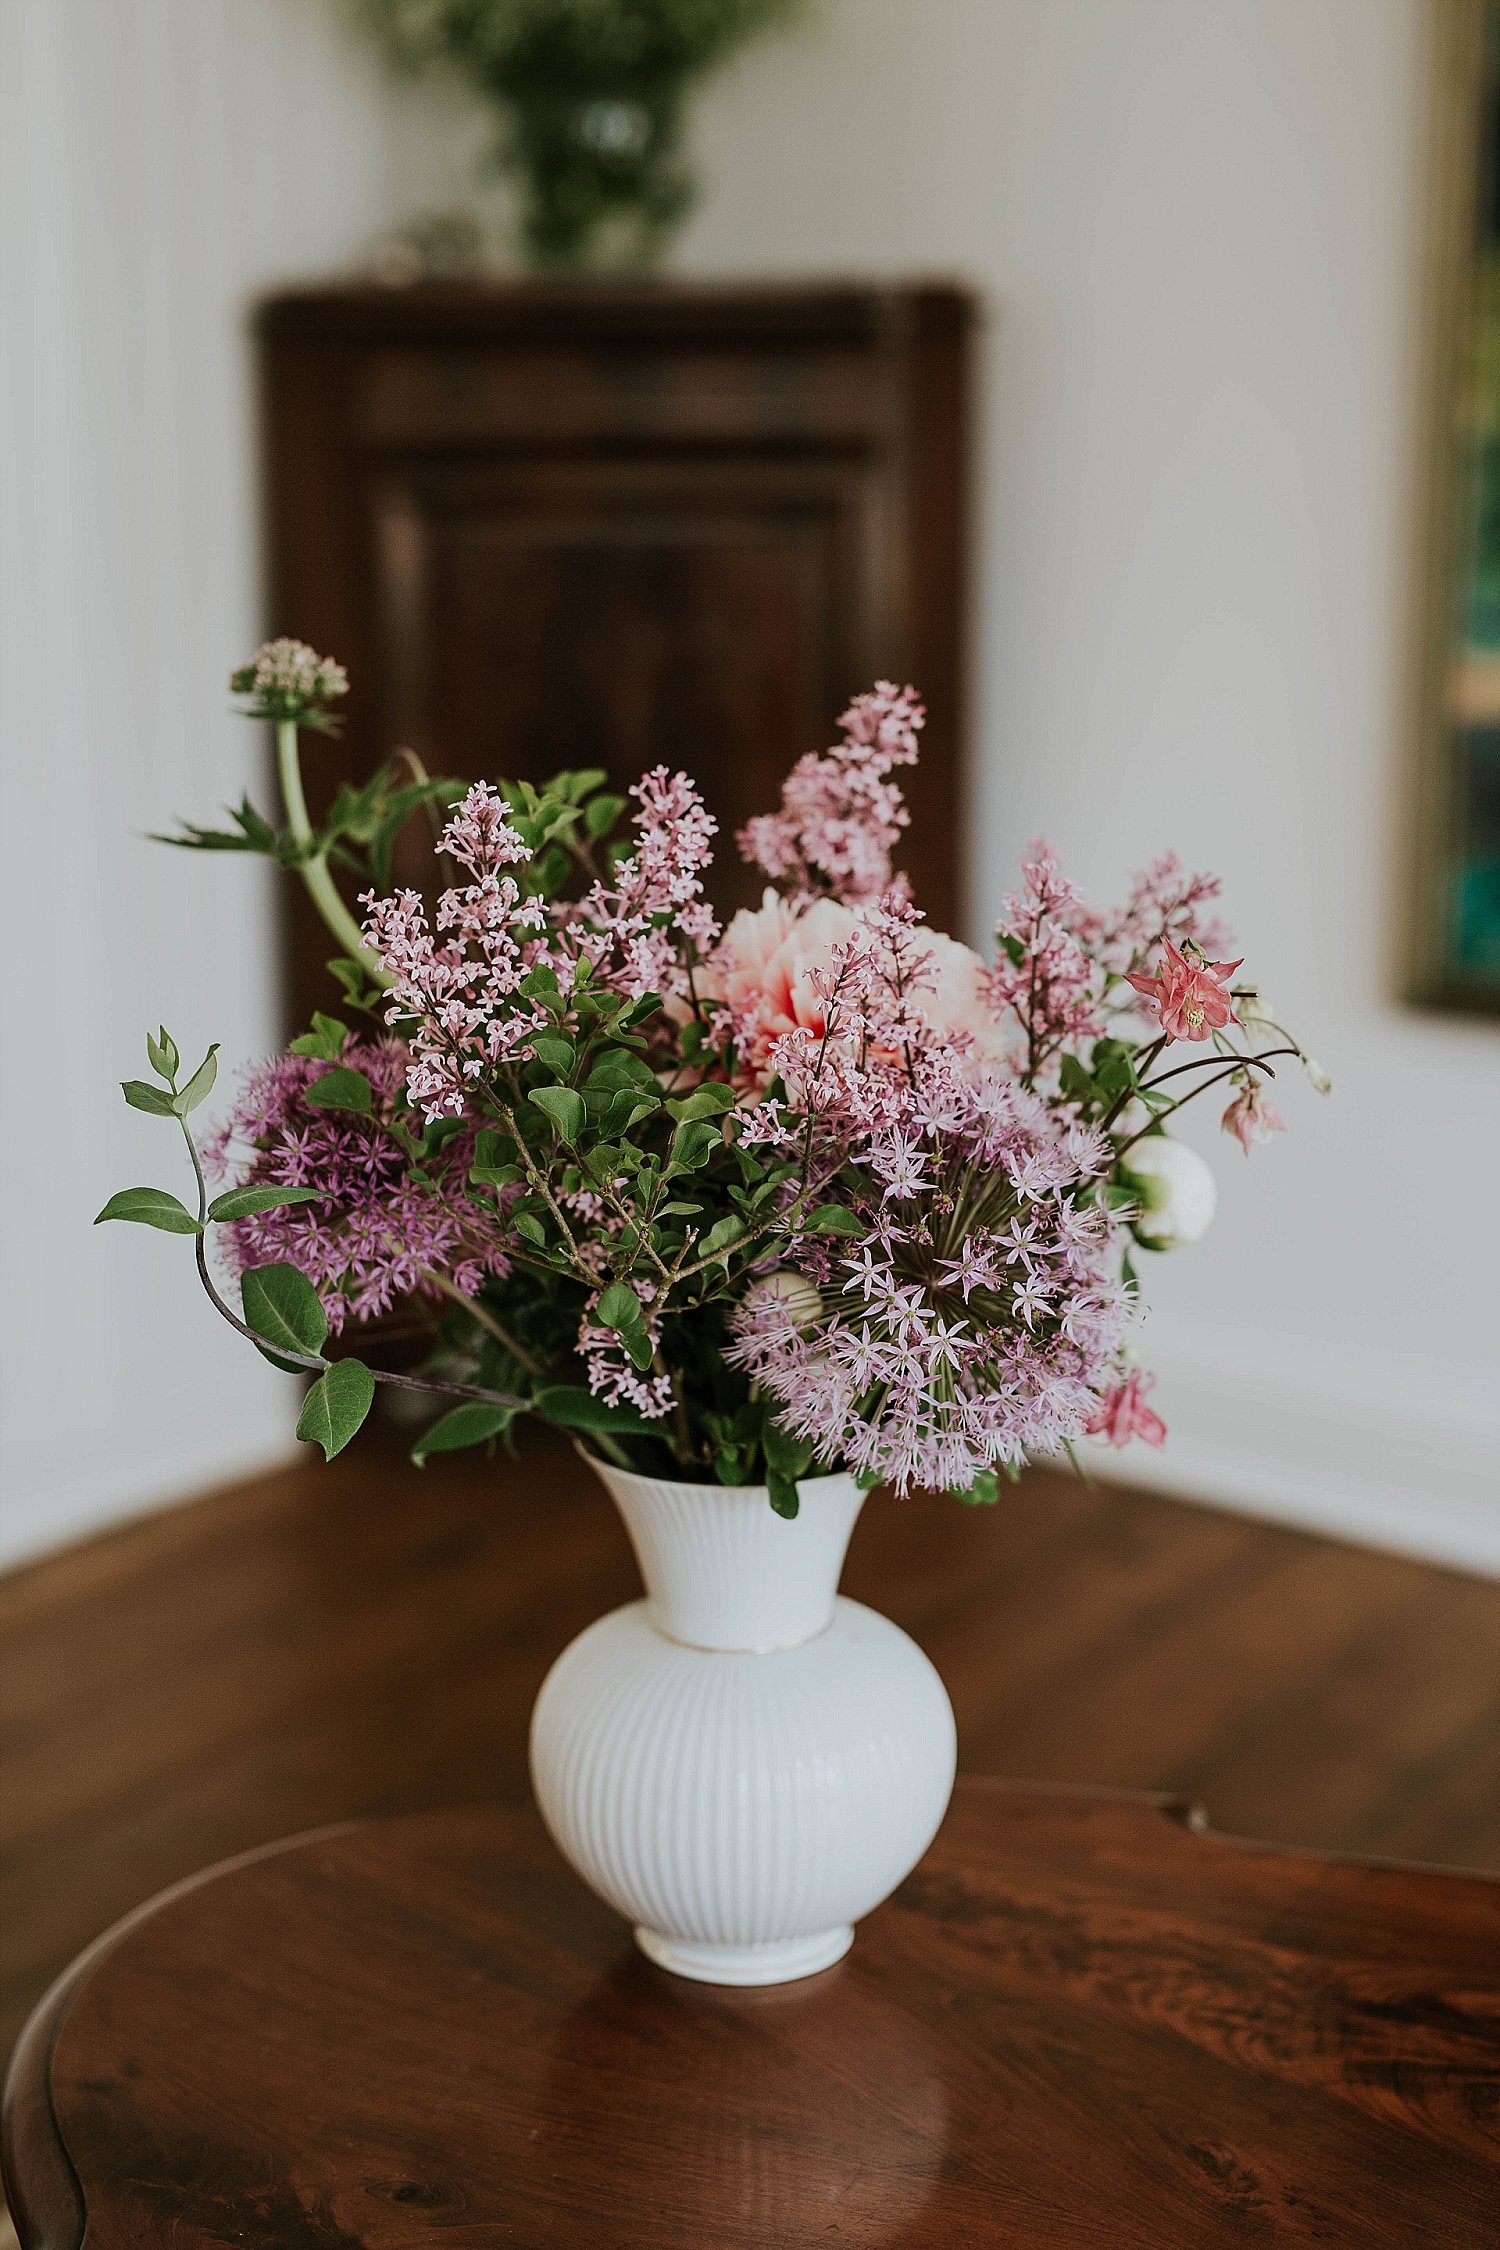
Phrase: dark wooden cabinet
(621, 524)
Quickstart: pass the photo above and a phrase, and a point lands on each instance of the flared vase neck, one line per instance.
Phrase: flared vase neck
(722, 1570)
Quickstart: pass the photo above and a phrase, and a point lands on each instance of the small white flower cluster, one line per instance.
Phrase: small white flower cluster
(286, 679)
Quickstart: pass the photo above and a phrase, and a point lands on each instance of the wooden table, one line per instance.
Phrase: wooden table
(1083, 2021)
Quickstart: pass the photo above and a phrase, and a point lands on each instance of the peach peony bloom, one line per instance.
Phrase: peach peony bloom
(765, 965)
(1192, 996)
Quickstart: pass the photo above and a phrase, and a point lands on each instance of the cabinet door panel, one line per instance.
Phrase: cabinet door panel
(708, 615)
(617, 524)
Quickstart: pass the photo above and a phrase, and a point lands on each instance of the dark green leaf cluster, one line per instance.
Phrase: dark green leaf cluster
(592, 94)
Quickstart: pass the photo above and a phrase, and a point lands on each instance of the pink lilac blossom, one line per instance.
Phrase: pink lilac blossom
(614, 1377)
(642, 929)
(1061, 965)
(1166, 901)
(841, 815)
(375, 1235)
(1044, 974)
(456, 991)
(1250, 1116)
(982, 1316)
(1190, 994)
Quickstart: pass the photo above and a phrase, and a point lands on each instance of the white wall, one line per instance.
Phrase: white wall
(1197, 225)
(161, 161)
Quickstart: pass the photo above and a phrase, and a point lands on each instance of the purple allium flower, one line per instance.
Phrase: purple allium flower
(981, 1318)
(376, 1234)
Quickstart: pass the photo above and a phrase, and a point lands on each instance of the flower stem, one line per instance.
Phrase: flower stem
(486, 1320)
(321, 887)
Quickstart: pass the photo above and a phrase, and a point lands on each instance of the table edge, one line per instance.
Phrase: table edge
(41, 2183)
(46, 2196)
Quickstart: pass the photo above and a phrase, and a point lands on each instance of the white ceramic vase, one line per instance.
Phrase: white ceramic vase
(743, 1763)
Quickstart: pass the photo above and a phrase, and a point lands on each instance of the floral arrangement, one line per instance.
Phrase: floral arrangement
(592, 96)
(817, 1190)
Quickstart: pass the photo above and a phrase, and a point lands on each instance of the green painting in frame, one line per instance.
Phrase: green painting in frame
(1457, 917)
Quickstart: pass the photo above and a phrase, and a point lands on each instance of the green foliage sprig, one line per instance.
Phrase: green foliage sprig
(592, 94)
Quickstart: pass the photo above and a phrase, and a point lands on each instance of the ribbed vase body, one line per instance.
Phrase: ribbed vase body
(742, 1763)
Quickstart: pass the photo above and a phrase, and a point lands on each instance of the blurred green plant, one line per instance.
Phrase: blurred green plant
(592, 95)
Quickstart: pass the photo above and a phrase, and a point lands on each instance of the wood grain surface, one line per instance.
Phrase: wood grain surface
(367, 1639)
(1080, 2023)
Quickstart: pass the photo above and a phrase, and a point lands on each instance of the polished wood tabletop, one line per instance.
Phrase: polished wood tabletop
(1083, 2021)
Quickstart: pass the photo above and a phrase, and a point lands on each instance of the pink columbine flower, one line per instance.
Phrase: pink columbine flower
(1123, 1413)
(1250, 1117)
(1192, 996)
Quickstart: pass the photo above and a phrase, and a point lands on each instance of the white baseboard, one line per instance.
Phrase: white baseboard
(37, 1518)
(1384, 1463)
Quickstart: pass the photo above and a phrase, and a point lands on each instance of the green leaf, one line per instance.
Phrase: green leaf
(619, 1066)
(983, 1492)
(638, 1347)
(626, 1108)
(555, 1053)
(782, 1492)
(619, 1307)
(710, 1100)
(199, 1086)
(162, 1054)
(571, 1407)
(530, 1229)
(600, 816)
(282, 1306)
(1078, 1083)
(250, 834)
(336, 1406)
(351, 975)
(150, 1207)
(244, 1202)
(790, 1453)
(1015, 950)
(473, 1423)
(563, 1106)
(549, 871)
(325, 1042)
(142, 1095)
(721, 1236)
(340, 1088)
(833, 1218)
(692, 1144)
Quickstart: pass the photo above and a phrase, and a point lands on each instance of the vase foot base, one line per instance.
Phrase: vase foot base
(781, 1963)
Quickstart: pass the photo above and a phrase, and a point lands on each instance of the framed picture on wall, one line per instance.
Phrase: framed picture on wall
(1457, 895)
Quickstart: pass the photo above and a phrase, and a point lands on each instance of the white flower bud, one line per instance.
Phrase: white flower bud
(1257, 1013)
(1318, 1078)
(794, 1290)
(1176, 1190)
